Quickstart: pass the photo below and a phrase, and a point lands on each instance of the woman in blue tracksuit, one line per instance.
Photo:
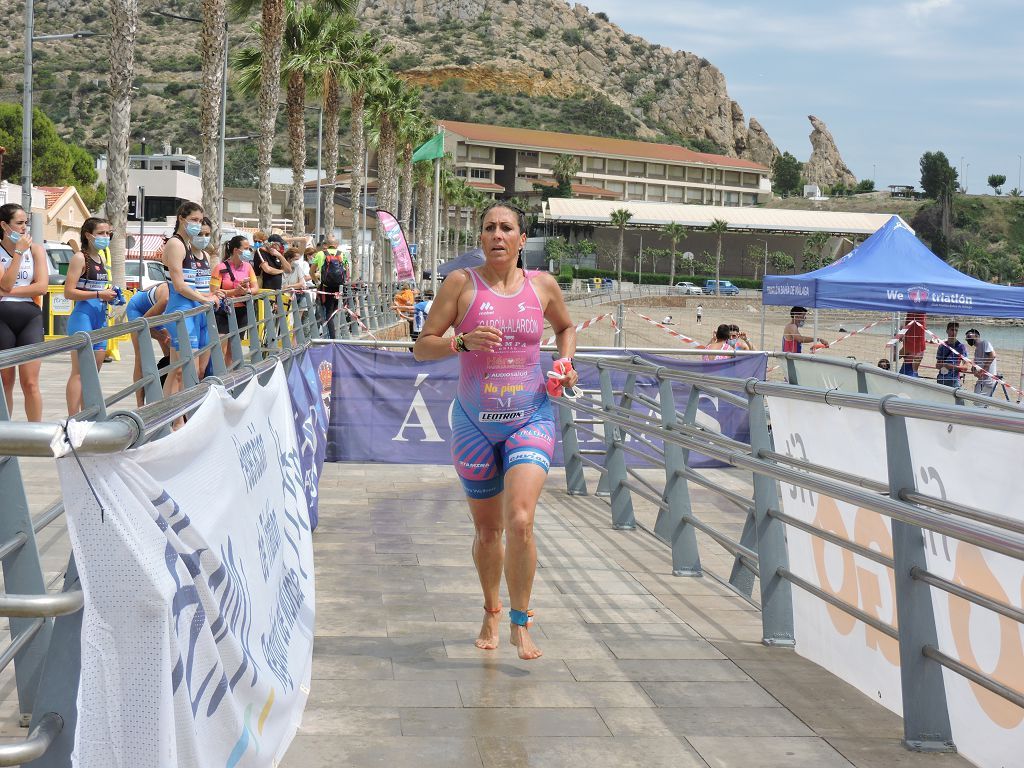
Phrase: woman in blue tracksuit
(188, 285)
(88, 285)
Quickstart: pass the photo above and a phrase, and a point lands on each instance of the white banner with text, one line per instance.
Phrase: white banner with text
(196, 559)
(971, 466)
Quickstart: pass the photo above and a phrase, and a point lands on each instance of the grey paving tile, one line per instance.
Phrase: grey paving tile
(440, 630)
(381, 647)
(627, 615)
(703, 721)
(569, 752)
(596, 588)
(890, 753)
(527, 723)
(767, 752)
(377, 751)
(681, 648)
(525, 693)
(553, 649)
(651, 670)
(486, 667)
(350, 721)
(625, 632)
(329, 666)
(386, 693)
(704, 695)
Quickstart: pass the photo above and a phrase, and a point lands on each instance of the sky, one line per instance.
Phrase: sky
(892, 79)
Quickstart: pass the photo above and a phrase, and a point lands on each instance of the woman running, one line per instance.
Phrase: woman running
(234, 277)
(23, 279)
(148, 303)
(188, 286)
(88, 285)
(503, 431)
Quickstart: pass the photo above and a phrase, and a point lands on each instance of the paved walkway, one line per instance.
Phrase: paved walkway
(640, 668)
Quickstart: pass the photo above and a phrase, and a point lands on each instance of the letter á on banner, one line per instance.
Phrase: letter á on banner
(423, 420)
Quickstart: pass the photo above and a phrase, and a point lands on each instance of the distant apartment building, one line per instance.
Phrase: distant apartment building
(506, 162)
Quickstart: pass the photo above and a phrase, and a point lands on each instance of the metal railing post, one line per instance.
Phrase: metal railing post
(23, 573)
(59, 681)
(217, 364)
(776, 592)
(269, 340)
(92, 390)
(235, 339)
(189, 374)
(373, 321)
(253, 327)
(615, 462)
(620, 318)
(575, 482)
(926, 725)
(671, 525)
(153, 391)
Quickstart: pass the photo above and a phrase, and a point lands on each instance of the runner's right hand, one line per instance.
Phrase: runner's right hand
(482, 338)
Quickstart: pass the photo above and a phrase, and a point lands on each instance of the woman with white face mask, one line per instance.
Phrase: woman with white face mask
(88, 285)
(23, 280)
(234, 278)
(188, 285)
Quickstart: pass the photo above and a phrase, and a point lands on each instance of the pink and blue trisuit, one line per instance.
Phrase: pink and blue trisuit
(501, 417)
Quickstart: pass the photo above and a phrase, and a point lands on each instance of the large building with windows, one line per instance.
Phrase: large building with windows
(506, 162)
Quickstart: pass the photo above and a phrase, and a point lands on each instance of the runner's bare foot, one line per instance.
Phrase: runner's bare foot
(488, 639)
(520, 637)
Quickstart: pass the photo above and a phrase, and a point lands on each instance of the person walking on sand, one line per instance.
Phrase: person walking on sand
(700, 313)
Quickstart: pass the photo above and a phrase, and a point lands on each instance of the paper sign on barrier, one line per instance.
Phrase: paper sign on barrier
(197, 633)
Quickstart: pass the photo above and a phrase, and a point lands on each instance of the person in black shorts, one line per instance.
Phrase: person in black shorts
(23, 278)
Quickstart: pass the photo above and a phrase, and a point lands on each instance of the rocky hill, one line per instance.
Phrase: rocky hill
(527, 63)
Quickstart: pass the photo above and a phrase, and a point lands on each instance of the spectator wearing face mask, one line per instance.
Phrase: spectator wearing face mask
(235, 278)
(984, 362)
(271, 264)
(792, 339)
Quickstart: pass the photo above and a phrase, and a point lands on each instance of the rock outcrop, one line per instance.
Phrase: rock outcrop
(825, 167)
(569, 50)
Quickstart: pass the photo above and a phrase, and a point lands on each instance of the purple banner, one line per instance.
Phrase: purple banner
(310, 416)
(392, 230)
(386, 407)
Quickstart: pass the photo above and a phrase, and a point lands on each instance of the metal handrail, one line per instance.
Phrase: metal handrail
(38, 741)
(41, 606)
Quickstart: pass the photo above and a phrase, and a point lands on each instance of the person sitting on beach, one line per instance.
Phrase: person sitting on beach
(792, 339)
(950, 356)
(913, 344)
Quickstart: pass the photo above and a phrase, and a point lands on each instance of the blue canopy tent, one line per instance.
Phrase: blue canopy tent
(893, 271)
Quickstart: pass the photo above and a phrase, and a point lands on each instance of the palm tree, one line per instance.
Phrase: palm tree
(124, 21)
(620, 218)
(365, 55)
(719, 227)
(212, 39)
(413, 129)
(813, 250)
(271, 32)
(674, 232)
(564, 170)
(971, 259)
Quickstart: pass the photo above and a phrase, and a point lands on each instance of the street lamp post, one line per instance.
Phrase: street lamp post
(26, 100)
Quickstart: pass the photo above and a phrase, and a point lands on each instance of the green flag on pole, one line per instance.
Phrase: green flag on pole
(431, 149)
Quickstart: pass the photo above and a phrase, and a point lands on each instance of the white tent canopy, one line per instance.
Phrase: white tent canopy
(741, 219)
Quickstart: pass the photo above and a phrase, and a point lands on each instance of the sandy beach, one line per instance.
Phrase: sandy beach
(745, 311)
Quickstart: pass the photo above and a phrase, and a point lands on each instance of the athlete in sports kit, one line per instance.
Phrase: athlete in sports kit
(148, 303)
(188, 284)
(23, 280)
(88, 285)
(503, 430)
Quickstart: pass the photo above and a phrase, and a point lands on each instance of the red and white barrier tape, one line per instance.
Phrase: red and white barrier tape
(903, 332)
(665, 328)
(583, 326)
(854, 333)
(974, 367)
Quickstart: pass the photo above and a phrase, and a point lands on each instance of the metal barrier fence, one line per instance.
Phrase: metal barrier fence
(45, 626)
(665, 433)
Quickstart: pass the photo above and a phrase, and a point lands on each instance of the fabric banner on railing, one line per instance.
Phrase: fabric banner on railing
(386, 407)
(196, 560)
(310, 428)
(970, 466)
